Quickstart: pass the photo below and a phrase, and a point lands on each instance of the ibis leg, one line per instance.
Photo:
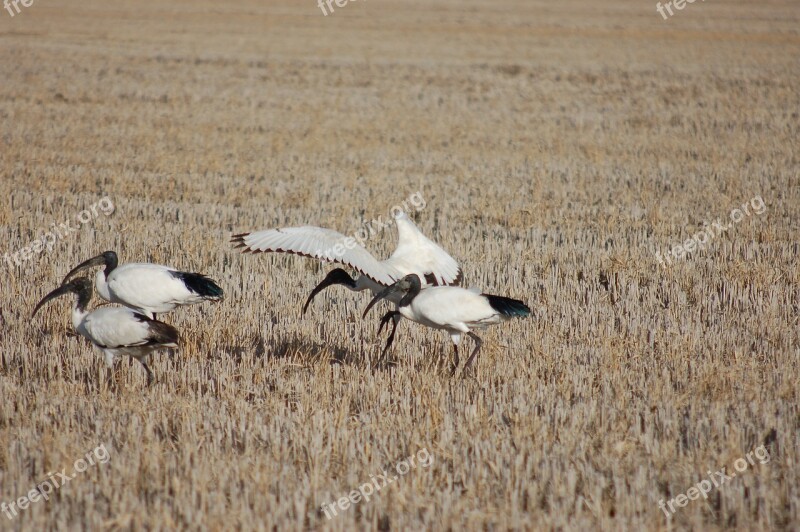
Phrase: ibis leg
(149, 374)
(109, 374)
(388, 316)
(454, 367)
(478, 344)
(395, 317)
(109, 356)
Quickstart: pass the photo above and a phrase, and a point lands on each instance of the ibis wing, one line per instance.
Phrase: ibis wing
(416, 253)
(150, 286)
(318, 243)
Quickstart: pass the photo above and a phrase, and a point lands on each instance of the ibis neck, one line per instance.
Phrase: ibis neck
(79, 310)
(111, 264)
(413, 292)
(102, 285)
(365, 283)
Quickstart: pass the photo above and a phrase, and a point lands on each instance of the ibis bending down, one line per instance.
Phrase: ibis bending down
(451, 308)
(115, 330)
(415, 254)
(149, 288)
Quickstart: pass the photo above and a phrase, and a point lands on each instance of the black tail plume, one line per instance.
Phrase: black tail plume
(160, 333)
(200, 285)
(507, 306)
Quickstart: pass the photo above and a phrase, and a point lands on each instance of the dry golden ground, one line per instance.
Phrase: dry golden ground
(558, 145)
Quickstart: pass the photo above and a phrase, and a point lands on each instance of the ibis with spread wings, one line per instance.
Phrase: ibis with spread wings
(415, 254)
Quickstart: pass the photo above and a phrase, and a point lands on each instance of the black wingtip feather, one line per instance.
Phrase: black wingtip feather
(200, 285)
(507, 306)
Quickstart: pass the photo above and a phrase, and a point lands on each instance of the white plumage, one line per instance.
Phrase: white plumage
(415, 253)
(149, 288)
(451, 308)
(115, 330)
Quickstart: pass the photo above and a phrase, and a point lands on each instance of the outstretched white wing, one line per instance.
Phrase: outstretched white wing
(322, 244)
(416, 253)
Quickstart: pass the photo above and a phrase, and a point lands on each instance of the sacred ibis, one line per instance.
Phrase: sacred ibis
(149, 288)
(114, 330)
(415, 254)
(451, 308)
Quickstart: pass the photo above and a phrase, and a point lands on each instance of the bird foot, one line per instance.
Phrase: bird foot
(453, 369)
(384, 320)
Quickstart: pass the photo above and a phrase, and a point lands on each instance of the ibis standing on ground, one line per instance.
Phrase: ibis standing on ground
(451, 308)
(415, 254)
(114, 330)
(149, 288)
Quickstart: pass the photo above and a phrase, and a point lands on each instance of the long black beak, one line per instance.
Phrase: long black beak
(60, 291)
(99, 260)
(319, 288)
(389, 290)
(336, 276)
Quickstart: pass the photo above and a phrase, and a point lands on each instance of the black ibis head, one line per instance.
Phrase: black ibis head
(410, 285)
(336, 276)
(82, 287)
(106, 258)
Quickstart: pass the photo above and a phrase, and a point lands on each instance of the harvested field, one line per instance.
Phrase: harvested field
(563, 151)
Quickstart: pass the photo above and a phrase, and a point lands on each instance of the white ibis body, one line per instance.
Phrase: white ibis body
(415, 254)
(115, 330)
(451, 308)
(149, 288)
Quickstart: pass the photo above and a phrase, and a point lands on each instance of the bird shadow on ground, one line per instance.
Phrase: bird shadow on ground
(297, 349)
(364, 354)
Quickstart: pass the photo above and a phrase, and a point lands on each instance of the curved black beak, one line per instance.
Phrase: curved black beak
(60, 291)
(336, 276)
(319, 288)
(389, 290)
(99, 260)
